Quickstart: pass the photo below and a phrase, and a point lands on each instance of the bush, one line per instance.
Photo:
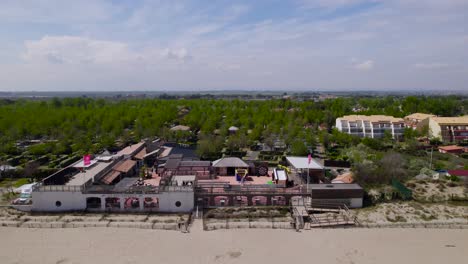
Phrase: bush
(69, 161)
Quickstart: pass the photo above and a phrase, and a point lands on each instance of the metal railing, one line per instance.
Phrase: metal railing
(57, 188)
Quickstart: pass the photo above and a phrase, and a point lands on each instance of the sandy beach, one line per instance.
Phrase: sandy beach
(121, 245)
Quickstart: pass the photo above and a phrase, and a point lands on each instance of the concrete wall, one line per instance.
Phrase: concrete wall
(338, 125)
(76, 201)
(168, 200)
(350, 202)
(47, 201)
(434, 129)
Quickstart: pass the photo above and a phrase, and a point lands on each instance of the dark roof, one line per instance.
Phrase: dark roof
(176, 156)
(110, 177)
(125, 184)
(195, 163)
(336, 186)
(125, 166)
(172, 163)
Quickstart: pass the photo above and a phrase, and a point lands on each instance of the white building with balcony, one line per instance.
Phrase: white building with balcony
(372, 126)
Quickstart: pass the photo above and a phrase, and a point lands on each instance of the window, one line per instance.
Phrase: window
(58, 203)
(178, 204)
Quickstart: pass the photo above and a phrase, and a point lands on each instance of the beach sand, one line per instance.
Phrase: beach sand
(121, 245)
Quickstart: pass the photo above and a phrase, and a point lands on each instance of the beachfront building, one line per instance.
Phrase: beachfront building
(448, 129)
(414, 120)
(103, 185)
(372, 126)
(112, 185)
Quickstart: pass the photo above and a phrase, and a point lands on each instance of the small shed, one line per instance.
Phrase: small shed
(180, 128)
(453, 149)
(280, 177)
(227, 166)
(302, 167)
(233, 129)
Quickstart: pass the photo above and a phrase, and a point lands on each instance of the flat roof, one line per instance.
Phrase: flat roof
(457, 120)
(303, 163)
(172, 164)
(419, 116)
(104, 158)
(195, 163)
(280, 175)
(130, 150)
(80, 164)
(371, 118)
(83, 177)
(335, 186)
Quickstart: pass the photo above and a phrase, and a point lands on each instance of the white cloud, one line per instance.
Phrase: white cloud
(178, 54)
(332, 4)
(431, 66)
(228, 67)
(57, 11)
(365, 65)
(76, 50)
(152, 43)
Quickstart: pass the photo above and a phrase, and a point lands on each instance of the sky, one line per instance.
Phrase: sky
(195, 45)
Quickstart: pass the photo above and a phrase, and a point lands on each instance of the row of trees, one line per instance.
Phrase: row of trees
(89, 125)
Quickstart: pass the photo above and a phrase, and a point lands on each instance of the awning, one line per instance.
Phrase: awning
(303, 163)
(230, 162)
(110, 177)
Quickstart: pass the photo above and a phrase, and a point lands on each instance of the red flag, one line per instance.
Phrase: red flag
(309, 158)
(87, 159)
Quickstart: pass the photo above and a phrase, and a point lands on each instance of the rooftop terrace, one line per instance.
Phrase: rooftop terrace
(88, 174)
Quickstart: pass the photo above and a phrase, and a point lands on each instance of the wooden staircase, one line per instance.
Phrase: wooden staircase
(309, 215)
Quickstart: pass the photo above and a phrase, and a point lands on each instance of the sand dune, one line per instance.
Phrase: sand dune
(119, 245)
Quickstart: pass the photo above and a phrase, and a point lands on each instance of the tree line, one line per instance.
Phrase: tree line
(90, 125)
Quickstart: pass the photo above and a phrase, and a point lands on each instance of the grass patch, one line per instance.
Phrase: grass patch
(14, 182)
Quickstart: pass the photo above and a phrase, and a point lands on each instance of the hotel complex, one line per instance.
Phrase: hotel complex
(373, 126)
(448, 129)
(414, 120)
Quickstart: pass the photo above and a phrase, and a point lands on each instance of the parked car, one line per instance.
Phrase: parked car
(25, 198)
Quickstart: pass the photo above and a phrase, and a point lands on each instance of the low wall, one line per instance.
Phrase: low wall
(78, 224)
(246, 224)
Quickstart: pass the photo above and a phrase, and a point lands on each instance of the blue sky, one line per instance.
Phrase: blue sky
(223, 45)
